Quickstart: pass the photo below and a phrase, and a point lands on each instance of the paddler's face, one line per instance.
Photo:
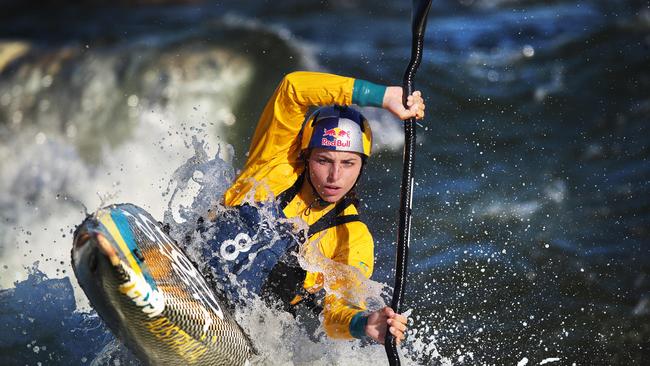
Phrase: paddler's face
(333, 173)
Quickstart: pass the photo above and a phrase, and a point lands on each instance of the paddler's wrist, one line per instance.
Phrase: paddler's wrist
(367, 94)
(358, 325)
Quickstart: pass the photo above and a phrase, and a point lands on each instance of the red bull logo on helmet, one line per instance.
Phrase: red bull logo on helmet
(336, 137)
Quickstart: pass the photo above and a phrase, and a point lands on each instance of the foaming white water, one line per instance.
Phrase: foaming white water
(45, 184)
(281, 339)
(35, 180)
(56, 163)
(510, 210)
(505, 208)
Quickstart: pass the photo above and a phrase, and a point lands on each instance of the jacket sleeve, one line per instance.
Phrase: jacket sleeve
(275, 148)
(347, 292)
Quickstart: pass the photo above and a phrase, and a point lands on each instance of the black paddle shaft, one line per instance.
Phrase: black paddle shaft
(419, 15)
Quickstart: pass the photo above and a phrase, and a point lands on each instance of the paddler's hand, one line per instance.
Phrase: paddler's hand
(384, 318)
(393, 103)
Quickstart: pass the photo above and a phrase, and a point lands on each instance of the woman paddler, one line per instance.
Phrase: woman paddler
(310, 168)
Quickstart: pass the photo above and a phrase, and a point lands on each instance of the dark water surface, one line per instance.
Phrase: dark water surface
(531, 225)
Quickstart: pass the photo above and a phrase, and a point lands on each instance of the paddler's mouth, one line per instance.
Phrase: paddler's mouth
(331, 190)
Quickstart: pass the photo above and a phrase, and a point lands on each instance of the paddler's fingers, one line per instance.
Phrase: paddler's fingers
(400, 318)
(388, 311)
(416, 105)
(416, 97)
(391, 314)
(397, 325)
(399, 335)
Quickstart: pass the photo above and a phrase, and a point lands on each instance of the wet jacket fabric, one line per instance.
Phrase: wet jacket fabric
(274, 165)
(244, 246)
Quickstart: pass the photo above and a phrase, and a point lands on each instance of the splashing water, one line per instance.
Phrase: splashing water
(279, 338)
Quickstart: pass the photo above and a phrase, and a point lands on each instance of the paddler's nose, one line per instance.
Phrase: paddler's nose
(334, 172)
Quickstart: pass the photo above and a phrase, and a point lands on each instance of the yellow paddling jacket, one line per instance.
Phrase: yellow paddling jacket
(274, 165)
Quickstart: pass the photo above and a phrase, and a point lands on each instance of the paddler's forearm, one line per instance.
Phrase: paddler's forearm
(309, 89)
